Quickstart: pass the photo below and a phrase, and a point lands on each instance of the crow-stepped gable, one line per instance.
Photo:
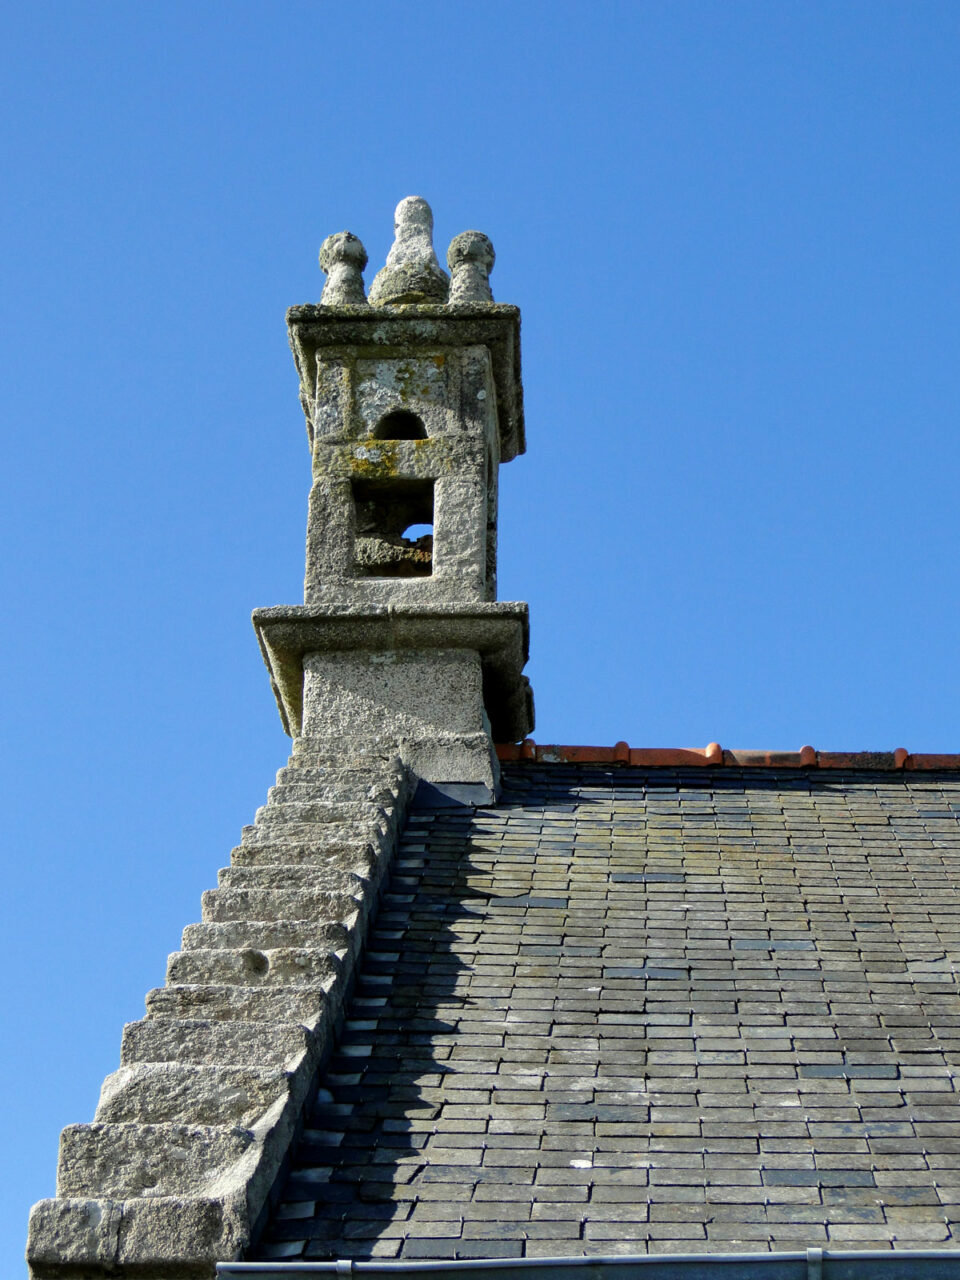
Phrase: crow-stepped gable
(400, 667)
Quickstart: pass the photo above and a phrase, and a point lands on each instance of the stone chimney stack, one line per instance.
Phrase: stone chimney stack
(412, 401)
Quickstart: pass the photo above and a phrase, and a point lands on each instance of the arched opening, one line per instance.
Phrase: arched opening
(414, 532)
(401, 424)
(394, 528)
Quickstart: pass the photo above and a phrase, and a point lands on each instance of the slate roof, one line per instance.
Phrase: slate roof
(639, 1010)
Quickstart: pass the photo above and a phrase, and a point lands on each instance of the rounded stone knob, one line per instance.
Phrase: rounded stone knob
(412, 273)
(342, 259)
(470, 259)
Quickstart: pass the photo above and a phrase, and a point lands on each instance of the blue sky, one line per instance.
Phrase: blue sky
(732, 229)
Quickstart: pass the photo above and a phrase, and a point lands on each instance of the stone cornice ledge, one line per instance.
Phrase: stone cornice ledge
(499, 632)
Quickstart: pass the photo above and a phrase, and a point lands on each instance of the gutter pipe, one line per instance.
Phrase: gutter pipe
(811, 1264)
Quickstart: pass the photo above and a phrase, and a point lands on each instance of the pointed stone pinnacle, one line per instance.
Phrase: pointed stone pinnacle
(342, 259)
(412, 273)
(470, 259)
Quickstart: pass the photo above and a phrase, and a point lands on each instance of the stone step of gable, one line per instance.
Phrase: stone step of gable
(183, 1093)
(296, 832)
(310, 1006)
(361, 775)
(315, 767)
(279, 904)
(312, 811)
(361, 858)
(280, 876)
(250, 967)
(318, 752)
(367, 841)
(333, 792)
(201, 1041)
(266, 934)
(126, 1160)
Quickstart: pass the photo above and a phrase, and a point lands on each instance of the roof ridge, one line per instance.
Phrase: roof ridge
(715, 755)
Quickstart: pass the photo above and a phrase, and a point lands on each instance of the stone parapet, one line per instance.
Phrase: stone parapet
(192, 1129)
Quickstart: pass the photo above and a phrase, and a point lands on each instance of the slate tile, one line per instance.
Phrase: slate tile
(763, 1012)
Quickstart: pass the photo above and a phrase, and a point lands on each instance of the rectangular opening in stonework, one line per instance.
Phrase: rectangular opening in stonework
(394, 528)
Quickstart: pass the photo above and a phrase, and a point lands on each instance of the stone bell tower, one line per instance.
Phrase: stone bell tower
(400, 667)
(412, 400)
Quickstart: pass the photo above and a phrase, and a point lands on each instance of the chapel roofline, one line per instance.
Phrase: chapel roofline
(715, 756)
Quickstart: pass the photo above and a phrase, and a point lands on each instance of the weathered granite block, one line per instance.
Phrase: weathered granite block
(233, 934)
(251, 967)
(280, 875)
(278, 904)
(411, 694)
(361, 856)
(70, 1236)
(153, 1093)
(147, 1159)
(498, 632)
(309, 1006)
(262, 1044)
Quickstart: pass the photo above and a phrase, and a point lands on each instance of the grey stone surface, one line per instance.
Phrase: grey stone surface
(160, 1238)
(147, 1159)
(428, 703)
(279, 875)
(192, 1128)
(169, 1238)
(255, 967)
(257, 1044)
(412, 273)
(370, 484)
(151, 1093)
(411, 693)
(359, 855)
(68, 1233)
(336, 348)
(310, 1006)
(278, 904)
(342, 259)
(470, 259)
(498, 632)
(268, 934)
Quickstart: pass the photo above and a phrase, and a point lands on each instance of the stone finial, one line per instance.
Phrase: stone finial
(342, 259)
(412, 273)
(470, 259)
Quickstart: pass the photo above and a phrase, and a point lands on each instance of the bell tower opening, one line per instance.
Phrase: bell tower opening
(401, 424)
(394, 528)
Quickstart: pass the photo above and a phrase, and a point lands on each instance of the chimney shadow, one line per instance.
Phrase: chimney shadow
(416, 1032)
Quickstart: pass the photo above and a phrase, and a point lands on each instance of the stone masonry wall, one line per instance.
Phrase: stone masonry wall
(192, 1129)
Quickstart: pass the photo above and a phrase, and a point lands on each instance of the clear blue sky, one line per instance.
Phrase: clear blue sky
(733, 232)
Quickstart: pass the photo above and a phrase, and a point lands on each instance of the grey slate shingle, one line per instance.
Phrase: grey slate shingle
(631, 1011)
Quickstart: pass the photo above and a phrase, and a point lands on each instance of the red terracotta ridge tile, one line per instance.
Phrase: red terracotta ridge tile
(692, 757)
(764, 759)
(672, 756)
(861, 760)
